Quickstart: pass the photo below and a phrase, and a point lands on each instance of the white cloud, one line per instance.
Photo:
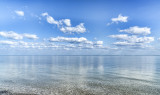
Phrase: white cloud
(77, 29)
(44, 14)
(68, 43)
(98, 43)
(132, 41)
(125, 43)
(133, 38)
(19, 13)
(69, 40)
(132, 45)
(11, 35)
(8, 42)
(65, 24)
(120, 18)
(137, 30)
(120, 36)
(22, 44)
(50, 19)
(30, 36)
(16, 36)
(81, 42)
(143, 39)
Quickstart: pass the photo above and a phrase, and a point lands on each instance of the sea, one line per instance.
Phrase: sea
(79, 75)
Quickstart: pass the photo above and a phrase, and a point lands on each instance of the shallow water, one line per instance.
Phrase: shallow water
(80, 75)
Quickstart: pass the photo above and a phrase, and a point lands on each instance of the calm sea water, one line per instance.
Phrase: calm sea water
(80, 75)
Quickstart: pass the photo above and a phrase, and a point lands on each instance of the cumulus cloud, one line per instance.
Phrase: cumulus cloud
(19, 13)
(30, 36)
(50, 19)
(20, 44)
(44, 45)
(132, 45)
(118, 19)
(137, 37)
(137, 30)
(81, 42)
(65, 24)
(11, 35)
(4, 42)
(132, 41)
(77, 29)
(44, 14)
(52, 43)
(120, 36)
(16, 36)
(124, 43)
(133, 38)
(70, 40)
(99, 42)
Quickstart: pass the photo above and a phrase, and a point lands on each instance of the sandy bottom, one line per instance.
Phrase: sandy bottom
(88, 88)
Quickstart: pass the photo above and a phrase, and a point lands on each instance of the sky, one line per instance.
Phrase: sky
(79, 27)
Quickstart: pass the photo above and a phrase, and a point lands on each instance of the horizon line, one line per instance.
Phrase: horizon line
(79, 55)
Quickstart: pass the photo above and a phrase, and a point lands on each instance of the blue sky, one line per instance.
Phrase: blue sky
(79, 27)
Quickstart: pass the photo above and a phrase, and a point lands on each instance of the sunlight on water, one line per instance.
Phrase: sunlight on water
(80, 75)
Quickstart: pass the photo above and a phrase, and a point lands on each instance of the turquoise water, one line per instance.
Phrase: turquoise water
(80, 75)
